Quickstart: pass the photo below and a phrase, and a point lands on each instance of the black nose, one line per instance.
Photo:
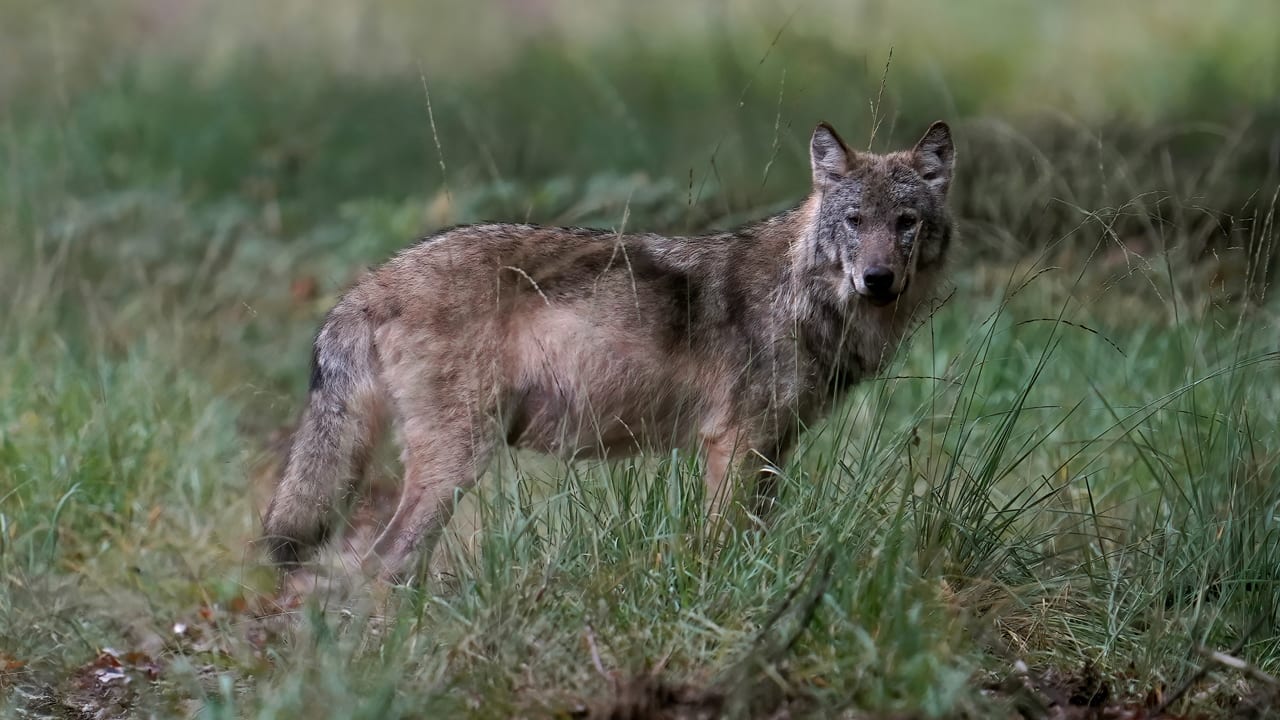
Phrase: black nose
(879, 279)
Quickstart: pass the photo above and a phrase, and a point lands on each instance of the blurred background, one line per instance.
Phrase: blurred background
(172, 141)
(186, 186)
(313, 115)
(219, 154)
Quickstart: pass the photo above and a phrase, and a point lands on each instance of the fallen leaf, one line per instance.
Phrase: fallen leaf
(9, 663)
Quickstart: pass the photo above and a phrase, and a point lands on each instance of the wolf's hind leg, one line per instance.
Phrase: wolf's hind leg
(442, 459)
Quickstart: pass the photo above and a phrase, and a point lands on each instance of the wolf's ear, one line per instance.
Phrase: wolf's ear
(828, 155)
(935, 156)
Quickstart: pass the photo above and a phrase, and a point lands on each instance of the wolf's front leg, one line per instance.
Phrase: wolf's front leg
(736, 474)
(741, 471)
(721, 468)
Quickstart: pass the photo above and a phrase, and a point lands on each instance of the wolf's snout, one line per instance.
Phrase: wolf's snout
(879, 280)
(877, 285)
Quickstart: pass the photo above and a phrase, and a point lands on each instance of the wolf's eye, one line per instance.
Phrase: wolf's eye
(907, 222)
(854, 220)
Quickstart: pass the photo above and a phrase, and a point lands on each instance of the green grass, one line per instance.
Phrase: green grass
(1073, 465)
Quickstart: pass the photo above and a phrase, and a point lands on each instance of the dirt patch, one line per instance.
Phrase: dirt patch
(1088, 695)
(650, 698)
(138, 681)
(1049, 695)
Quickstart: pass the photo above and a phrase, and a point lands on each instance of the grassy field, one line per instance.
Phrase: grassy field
(1063, 499)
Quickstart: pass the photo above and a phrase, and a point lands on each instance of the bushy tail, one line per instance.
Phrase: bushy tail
(333, 440)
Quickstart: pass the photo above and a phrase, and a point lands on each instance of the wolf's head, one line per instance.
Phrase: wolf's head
(880, 219)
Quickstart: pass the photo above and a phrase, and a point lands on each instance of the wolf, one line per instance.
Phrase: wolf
(595, 343)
